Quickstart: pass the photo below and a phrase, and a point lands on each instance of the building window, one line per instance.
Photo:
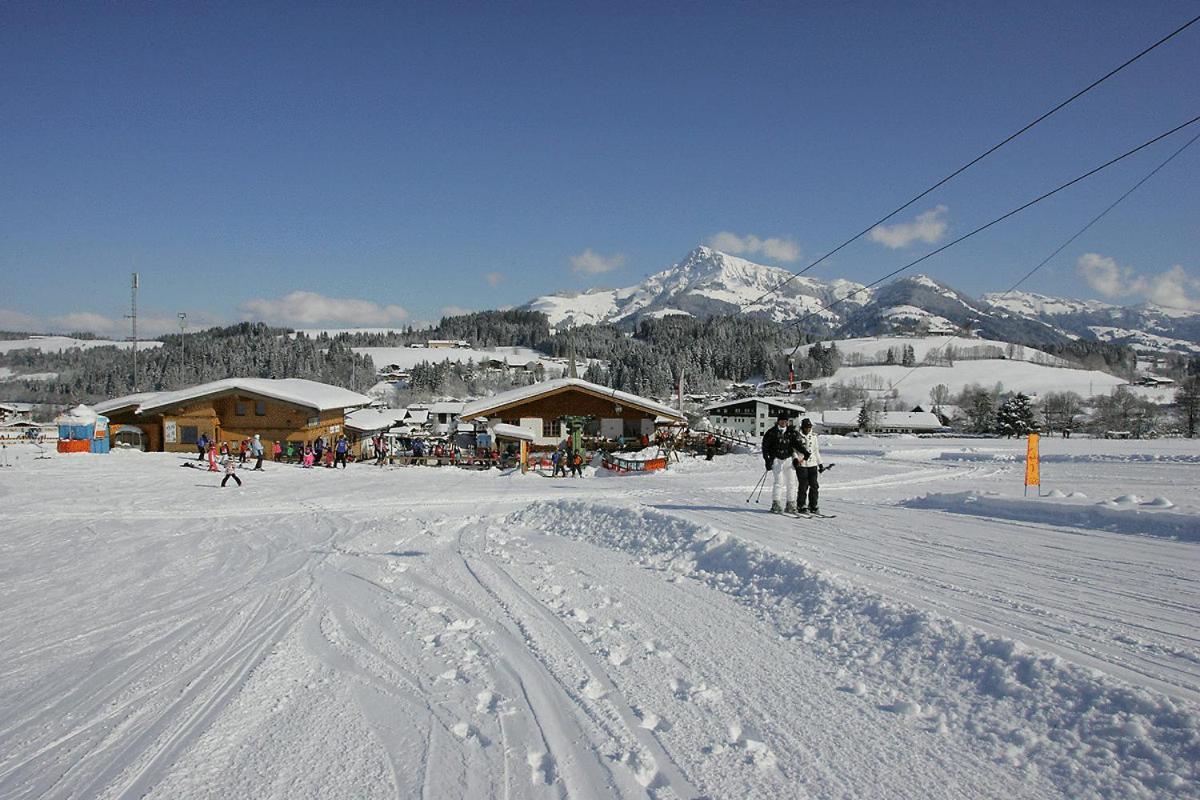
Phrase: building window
(314, 422)
(239, 408)
(188, 434)
(260, 408)
(549, 428)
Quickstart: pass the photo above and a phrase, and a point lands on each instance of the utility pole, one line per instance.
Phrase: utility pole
(132, 315)
(182, 354)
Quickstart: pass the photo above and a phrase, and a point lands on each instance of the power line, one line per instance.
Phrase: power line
(979, 158)
(1065, 244)
(995, 221)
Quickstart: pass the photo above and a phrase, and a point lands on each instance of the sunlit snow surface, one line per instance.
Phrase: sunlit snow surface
(417, 632)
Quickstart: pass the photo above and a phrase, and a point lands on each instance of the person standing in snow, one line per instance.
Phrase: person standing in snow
(202, 446)
(230, 463)
(278, 450)
(341, 449)
(779, 446)
(256, 450)
(808, 467)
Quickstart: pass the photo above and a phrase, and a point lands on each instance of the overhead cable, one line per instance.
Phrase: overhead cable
(979, 157)
(994, 221)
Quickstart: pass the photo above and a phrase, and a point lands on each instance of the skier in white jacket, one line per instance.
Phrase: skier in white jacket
(808, 467)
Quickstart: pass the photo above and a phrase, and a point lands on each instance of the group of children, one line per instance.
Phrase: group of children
(307, 454)
(564, 458)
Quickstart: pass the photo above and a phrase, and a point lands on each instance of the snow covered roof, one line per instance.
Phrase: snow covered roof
(17, 408)
(79, 415)
(297, 391)
(774, 401)
(125, 402)
(373, 419)
(506, 431)
(915, 420)
(480, 408)
(418, 415)
(447, 407)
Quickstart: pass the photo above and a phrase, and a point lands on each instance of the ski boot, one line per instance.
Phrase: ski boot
(791, 509)
(776, 508)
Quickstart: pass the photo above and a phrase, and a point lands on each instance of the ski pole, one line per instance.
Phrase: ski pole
(761, 481)
(762, 486)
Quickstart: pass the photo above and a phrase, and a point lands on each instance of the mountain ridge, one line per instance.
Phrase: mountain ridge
(709, 282)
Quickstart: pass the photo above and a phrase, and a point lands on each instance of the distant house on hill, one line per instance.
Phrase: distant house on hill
(750, 415)
(882, 422)
(543, 409)
(284, 409)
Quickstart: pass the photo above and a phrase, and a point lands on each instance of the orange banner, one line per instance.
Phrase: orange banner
(1032, 474)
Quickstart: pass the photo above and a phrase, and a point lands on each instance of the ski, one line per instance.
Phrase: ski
(820, 516)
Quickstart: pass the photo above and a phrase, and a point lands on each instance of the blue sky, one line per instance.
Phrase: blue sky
(430, 156)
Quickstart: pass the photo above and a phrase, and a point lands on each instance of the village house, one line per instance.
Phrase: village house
(846, 421)
(284, 409)
(545, 411)
(750, 415)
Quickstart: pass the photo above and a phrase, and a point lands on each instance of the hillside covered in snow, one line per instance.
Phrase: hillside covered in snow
(708, 282)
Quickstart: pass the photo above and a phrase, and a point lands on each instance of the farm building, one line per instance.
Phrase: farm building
(543, 410)
(881, 422)
(750, 415)
(231, 410)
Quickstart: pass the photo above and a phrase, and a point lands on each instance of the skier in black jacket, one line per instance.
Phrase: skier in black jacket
(779, 447)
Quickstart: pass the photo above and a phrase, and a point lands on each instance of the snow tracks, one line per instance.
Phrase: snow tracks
(1071, 730)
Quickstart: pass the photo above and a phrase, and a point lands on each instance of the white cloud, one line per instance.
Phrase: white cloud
(310, 308)
(750, 245)
(1108, 277)
(929, 227)
(494, 278)
(150, 324)
(1174, 288)
(589, 262)
(19, 321)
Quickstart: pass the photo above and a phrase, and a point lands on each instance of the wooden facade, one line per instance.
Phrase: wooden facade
(229, 417)
(542, 415)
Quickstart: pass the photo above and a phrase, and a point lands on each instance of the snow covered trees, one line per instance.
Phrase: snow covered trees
(1015, 416)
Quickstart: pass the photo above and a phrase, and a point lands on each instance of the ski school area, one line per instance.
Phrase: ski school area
(365, 632)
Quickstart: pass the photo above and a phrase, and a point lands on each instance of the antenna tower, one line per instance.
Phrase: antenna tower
(132, 315)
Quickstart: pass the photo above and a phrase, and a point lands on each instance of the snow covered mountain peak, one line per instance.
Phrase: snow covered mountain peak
(704, 283)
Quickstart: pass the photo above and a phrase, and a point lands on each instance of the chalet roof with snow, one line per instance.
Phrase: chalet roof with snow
(296, 391)
(490, 405)
(881, 420)
(773, 401)
(373, 419)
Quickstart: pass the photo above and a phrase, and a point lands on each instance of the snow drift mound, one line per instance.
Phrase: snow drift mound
(1088, 733)
(1125, 514)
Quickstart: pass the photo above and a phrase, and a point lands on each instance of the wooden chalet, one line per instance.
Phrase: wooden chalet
(285, 409)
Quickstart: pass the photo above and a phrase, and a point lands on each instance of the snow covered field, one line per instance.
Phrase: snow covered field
(440, 633)
(409, 357)
(913, 384)
(56, 344)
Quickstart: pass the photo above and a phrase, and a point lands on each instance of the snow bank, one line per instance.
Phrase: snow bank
(1089, 734)
(1121, 515)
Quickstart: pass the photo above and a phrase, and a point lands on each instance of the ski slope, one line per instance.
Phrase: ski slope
(410, 632)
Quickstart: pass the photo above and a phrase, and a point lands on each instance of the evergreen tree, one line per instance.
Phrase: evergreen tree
(1015, 416)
